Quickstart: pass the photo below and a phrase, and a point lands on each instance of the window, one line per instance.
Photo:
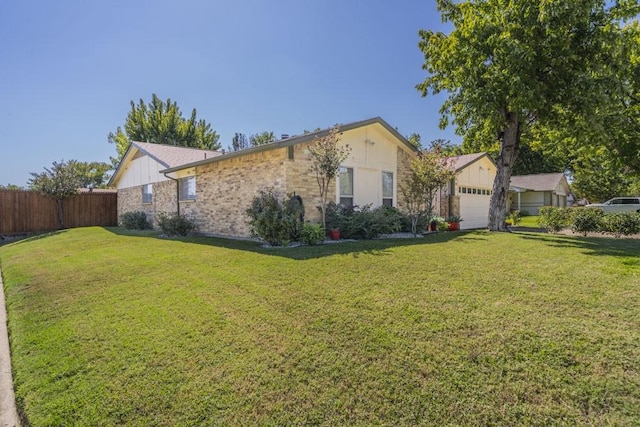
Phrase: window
(387, 188)
(188, 188)
(346, 186)
(147, 193)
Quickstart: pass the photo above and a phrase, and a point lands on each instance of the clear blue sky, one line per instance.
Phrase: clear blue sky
(68, 69)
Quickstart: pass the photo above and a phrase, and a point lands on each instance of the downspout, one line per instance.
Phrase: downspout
(177, 191)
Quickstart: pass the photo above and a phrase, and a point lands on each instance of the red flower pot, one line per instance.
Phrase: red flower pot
(334, 234)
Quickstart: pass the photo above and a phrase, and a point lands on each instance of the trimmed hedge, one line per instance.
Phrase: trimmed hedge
(589, 220)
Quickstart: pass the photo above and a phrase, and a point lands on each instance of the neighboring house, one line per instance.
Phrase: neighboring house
(530, 192)
(216, 188)
(468, 196)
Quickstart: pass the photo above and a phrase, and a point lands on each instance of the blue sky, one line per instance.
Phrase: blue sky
(69, 69)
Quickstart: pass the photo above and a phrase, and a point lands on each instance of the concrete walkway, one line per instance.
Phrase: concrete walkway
(8, 412)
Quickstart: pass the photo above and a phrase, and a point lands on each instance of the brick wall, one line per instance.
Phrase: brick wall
(302, 180)
(224, 190)
(164, 199)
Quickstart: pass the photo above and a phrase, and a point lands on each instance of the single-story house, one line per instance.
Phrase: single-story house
(215, 187)
(469, 194)
(530, 192)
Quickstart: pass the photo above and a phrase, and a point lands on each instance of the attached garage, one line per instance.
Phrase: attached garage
(469, 195)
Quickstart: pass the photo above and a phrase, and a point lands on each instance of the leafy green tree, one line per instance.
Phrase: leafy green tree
(10, 187)
(91, 174)
(58, 182)
(414, 139)
(262, 138)
(430, 171)
(508, 67)
(161, 122)
(239, 142)
(326, 155)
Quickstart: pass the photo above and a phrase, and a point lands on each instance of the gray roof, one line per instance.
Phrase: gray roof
(171, 155)
(537, 182)
(167, 155)
(460, 162)
(296, 139)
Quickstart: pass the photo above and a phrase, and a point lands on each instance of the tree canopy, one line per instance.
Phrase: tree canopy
(262, 138)
(161, 122)
(514, 68)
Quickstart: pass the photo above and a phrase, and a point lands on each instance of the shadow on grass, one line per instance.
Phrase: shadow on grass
(627, 248)
(378, 247)
(30, 237)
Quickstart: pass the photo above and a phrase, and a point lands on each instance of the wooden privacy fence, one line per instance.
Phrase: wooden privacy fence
(30, 212)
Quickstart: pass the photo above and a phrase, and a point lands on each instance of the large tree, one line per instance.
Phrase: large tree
(161, 122)
(510, 66)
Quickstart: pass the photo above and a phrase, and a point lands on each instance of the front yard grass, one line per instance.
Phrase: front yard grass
(116, 328)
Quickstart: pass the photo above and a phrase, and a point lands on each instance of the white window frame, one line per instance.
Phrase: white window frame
(342, 195)
(390, 198)
(188, 185)
(147, 194)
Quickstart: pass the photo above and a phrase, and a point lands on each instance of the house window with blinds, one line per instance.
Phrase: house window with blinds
(147, 193)
(346, 186)
(387, 188)
(188, 188)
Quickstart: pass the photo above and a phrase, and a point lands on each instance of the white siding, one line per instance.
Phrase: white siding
(372, 151)
(141, 170)
(474, 208)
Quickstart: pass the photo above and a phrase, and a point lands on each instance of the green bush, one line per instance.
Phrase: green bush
(515, 217)
(174, 224)
(135, 221)
(271, 219)
(554, 219)
(312, 234)
(363, 222)
(621, 223)
(585, 220)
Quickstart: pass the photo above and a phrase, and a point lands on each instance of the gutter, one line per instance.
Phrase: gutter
(177, 191)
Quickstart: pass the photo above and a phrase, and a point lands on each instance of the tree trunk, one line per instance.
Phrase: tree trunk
(509, 144)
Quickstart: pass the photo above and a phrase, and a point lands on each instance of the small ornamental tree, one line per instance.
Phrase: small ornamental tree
(430, 171)
(326, 155)
(60, 181)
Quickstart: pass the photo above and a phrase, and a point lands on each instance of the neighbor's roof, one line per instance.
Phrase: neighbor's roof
(173, 155)
(297, 139)
(537, 182)
(460, 162)
(168, 156)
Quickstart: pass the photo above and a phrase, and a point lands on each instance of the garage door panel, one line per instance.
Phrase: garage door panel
(474, 210)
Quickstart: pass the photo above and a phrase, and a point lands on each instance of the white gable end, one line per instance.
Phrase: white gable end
(141, 170)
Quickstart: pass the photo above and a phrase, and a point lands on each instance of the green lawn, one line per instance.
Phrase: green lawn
(115, 328)
(530, 221)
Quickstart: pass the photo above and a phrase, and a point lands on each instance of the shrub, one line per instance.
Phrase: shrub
(135, 221)
(174, 224)
(271, 219)
(586, 220)
(443, 226)
(312, 234)
(364, 222)
(515, 217)
(620, 223)
(554, 219)
(367, 223)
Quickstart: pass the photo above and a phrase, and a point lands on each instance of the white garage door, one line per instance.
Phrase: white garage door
(474, 210)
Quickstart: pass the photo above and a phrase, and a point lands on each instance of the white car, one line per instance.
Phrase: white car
(619, 204)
